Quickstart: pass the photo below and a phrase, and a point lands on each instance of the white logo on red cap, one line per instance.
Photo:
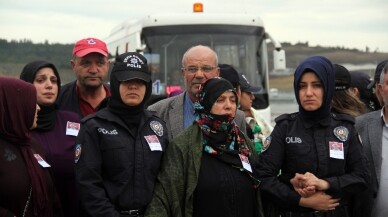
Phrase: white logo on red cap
(91, 41)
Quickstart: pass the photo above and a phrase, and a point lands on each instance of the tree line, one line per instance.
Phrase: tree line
(15, 54)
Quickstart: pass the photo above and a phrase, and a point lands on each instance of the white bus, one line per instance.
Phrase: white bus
(238, 39)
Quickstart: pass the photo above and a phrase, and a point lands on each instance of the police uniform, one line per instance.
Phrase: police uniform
(116, 167)
(328, 147)
(120, 147)
(297, 148)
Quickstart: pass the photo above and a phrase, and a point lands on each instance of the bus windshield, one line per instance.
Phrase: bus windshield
(239, 46)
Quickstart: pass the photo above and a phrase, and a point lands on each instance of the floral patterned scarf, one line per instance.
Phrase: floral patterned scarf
(220, 132)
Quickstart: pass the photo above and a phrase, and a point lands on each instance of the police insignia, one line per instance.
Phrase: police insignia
(266, 143)
(341, 133)
(77, 154)
(157, 127)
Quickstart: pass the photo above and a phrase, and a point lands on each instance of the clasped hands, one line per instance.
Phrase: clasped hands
(311, 189)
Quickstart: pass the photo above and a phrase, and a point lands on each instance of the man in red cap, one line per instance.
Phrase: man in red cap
(88, 92)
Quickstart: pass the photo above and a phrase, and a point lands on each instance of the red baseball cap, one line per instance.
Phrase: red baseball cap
(89, 45)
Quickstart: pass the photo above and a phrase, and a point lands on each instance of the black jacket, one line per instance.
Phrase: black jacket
(68, 99)
(116, 169)
(299, 147)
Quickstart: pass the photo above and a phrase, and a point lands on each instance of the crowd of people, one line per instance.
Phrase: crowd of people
(87, 148)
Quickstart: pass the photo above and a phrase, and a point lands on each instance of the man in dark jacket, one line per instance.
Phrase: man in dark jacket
(373, 132)
(90, 64)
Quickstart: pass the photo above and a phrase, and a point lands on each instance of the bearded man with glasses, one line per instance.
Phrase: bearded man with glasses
(199, 64)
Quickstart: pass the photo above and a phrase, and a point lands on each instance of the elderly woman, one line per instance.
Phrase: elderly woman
(209, 170)
(26, 187)
(56, 131)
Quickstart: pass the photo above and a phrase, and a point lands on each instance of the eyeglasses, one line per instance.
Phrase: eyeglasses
(205, 69)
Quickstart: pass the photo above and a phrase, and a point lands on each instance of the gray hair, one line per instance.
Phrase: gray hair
(383, 72)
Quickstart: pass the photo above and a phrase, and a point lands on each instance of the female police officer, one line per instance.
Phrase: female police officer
(119, 148)
(318, 153)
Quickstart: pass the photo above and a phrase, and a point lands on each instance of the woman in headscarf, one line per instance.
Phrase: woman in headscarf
(56, 131)
(318, 153)
(209, 169)
(121, 146)
(26, 187)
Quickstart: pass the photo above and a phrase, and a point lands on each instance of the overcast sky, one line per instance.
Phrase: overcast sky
(348, 23)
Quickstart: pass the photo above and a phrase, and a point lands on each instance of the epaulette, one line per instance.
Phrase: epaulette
(283, 117)
(343, 117)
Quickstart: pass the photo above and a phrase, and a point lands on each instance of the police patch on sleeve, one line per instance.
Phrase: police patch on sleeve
(266, 143)
(341, 133)
(77, 154)
(157, 127)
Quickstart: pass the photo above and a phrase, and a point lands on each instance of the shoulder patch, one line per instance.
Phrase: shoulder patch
(342, 133)
(157, 127)
(266, 143)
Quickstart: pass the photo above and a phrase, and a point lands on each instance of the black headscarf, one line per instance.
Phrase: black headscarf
(123, 70)
(47, 114)
(323, 68)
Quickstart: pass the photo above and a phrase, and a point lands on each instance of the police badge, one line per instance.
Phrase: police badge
(341, 133)
(157, 127)
(266, 143)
